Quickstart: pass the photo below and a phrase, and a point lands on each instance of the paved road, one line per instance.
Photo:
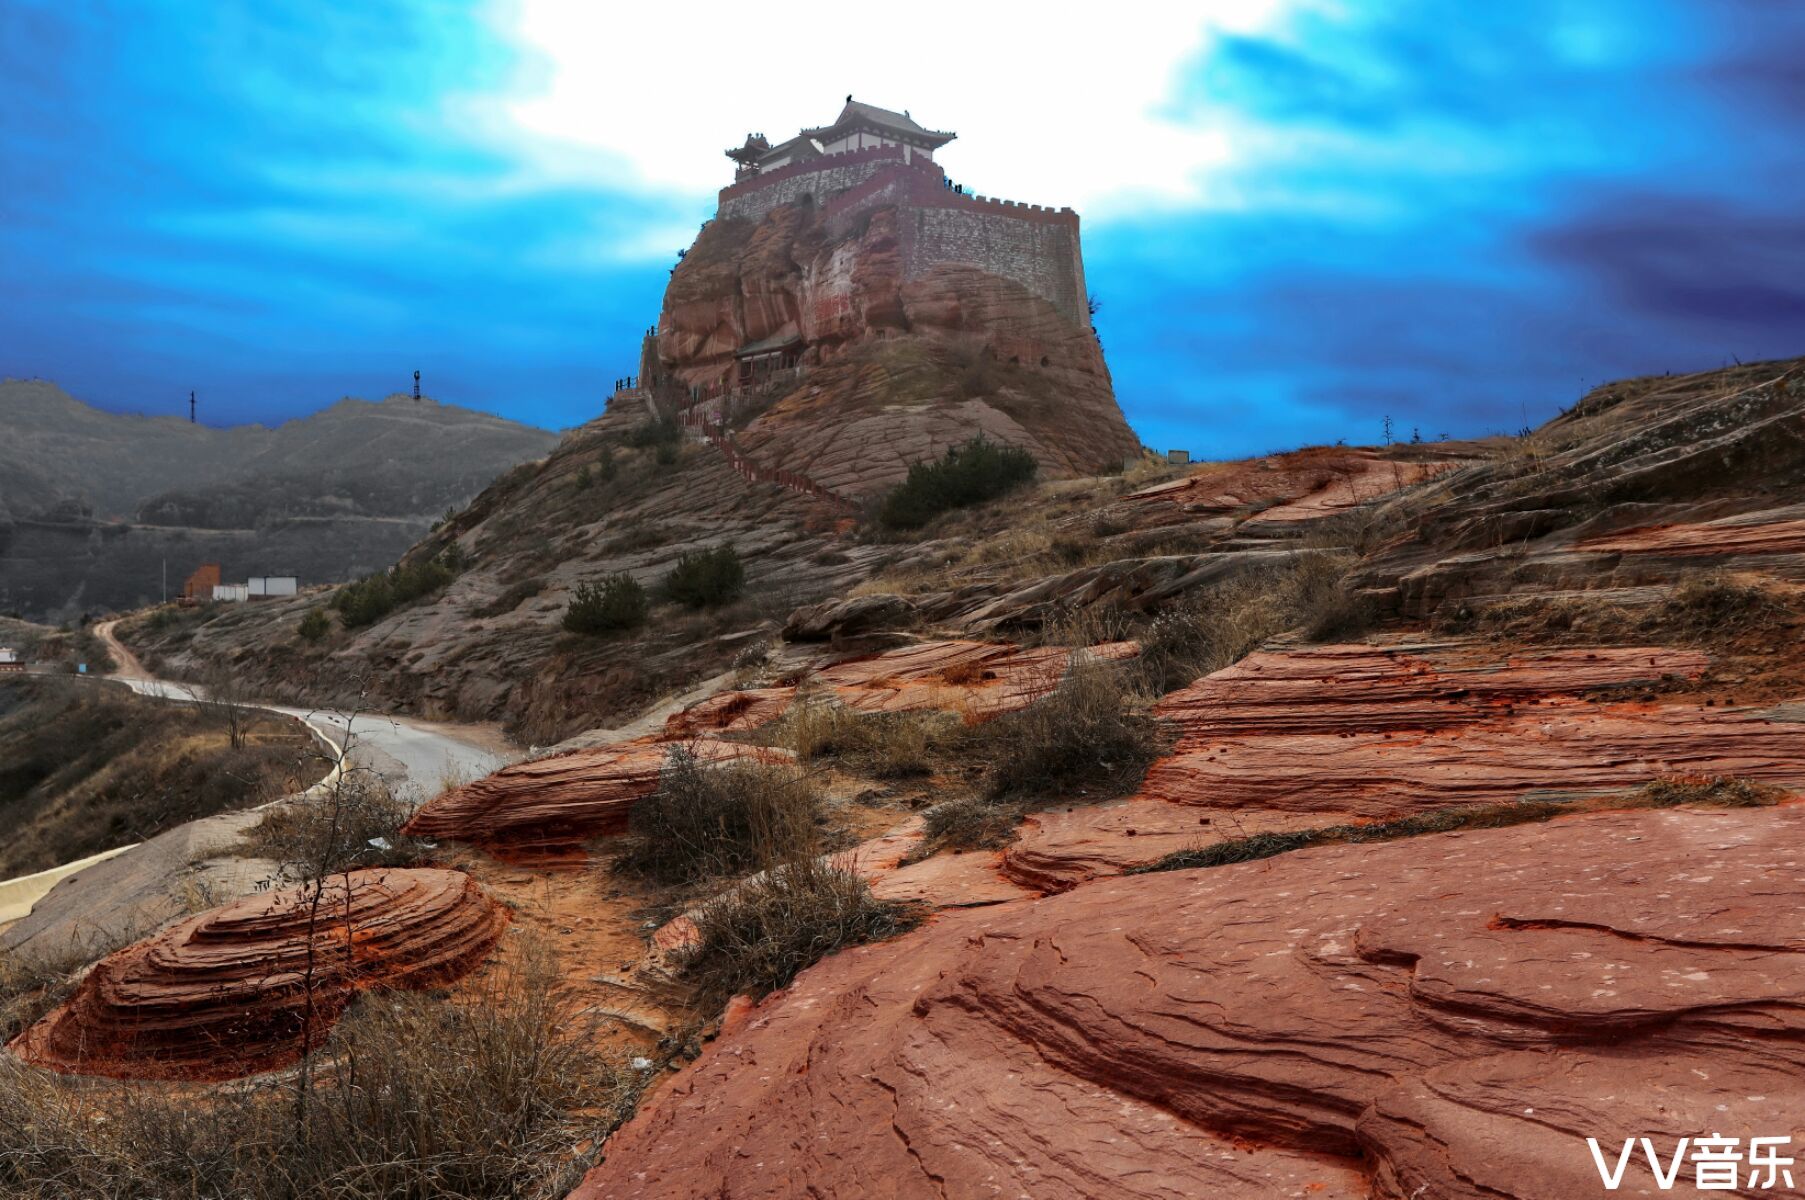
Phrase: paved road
(428, 754)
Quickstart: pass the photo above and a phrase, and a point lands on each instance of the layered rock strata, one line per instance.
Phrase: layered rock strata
(543, 811)
(229, 992)
(1450, 1016)
(1299, 739)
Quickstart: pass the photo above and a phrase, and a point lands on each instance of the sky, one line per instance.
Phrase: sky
(1301, 217)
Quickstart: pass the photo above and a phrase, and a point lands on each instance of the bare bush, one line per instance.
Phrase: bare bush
(887, 745)
(1082, 736)
(1224, 624)
(355, 823)
(705, 820)
(759, 936)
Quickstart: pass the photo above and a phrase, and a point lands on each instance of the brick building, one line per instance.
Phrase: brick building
(869, 157)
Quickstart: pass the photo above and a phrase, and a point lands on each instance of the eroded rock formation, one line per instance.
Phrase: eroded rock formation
(544, 810)
(1640, 483)
(1303, 738)
(899, 362)
(225, 993)
(1450, 1016)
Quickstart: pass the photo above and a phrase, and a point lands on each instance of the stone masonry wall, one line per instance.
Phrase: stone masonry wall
(1035, 246)
(820, 178)
(1042, 256)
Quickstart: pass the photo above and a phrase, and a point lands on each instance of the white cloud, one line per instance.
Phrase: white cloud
(1053, 103)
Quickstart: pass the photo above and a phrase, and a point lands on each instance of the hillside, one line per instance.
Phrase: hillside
(93, 503)
(887, 369)
(1352, 821)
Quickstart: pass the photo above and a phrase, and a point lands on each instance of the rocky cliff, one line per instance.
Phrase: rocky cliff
(899, 359)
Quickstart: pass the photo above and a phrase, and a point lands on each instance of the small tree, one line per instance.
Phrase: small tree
(315, 625)
(705, 578)
(617, 602)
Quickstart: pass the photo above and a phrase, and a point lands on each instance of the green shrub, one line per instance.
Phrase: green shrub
(661, 432)
(971, 473)
(704, 578)
(614, 604)
(374, 597)
(315, 625)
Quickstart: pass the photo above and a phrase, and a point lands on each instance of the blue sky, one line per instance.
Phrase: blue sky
(1300, 217)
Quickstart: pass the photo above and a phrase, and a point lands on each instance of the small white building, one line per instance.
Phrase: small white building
(262, 587)
(9, 659)
(231, 592)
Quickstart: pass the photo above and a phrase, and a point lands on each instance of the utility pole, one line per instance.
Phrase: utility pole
(166, 581)
(191, 408)
(416, 385)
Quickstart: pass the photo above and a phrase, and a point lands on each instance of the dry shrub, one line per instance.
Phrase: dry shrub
(886, 745)
(705, 820)
(757, 937)
(483, 1095)
(356, 823)
(1229, 621)
(969, 823)
(31, 986)
(1083, 735)
(1717, 605)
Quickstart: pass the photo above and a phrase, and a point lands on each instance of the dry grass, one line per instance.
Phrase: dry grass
(485, 1094)
(1708, 609)
(1082, 737)
(1222, 625)
(87, 766)
(759, 936)
(357, 824)
(883, 745)
(705, 821)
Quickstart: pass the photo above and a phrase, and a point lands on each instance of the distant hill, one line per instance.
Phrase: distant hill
(92, 503)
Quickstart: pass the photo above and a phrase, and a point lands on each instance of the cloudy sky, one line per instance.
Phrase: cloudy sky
(1301, 216)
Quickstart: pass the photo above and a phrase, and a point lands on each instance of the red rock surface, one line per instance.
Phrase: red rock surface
(1639, 483)
(979, 680)
(1317, 736)
(544, 810)
(1449, 1016)
(1746, 535)
(222, 994)
(1297, 486)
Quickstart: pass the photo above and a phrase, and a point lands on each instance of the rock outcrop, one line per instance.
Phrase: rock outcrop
(1299, 739)
(1450, 1016)
(897, 366)
(543, 810)
(1639, 483)
(226, 993)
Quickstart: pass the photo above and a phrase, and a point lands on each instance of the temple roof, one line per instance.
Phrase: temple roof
(858, 115)
(756, 147)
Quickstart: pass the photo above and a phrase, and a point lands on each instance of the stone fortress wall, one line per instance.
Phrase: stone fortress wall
(1035, 246)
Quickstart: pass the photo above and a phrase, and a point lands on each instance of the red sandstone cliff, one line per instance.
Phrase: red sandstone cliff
(916, 327)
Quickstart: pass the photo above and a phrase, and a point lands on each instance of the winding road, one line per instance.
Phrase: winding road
(416, 758)
(421, 755)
